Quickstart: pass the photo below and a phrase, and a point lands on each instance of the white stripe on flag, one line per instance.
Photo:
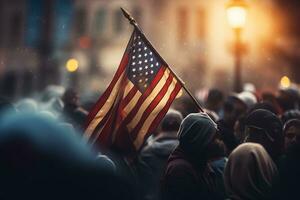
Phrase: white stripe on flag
(104, 109)
(144, 130)
(148, 100)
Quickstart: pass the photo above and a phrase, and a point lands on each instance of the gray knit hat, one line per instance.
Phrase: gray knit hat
(197, 130)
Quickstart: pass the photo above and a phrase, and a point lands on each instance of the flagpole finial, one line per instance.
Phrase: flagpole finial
(129, 17)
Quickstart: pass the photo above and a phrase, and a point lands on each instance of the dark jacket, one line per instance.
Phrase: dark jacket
(289, 172)
(151, 164)
(184, 180)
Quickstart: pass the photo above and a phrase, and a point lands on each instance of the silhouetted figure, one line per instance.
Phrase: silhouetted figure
(214, 101)
(250, 173)
(72, 112)
(265, 128)
(39, 159)
(185, 106)
(288, 99)
(289, 170)
(289, 115)
(189, 174)
(153, 158)
(233, 109)
(291, 132)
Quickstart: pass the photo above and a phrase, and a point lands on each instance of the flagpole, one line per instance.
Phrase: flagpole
(136, 26)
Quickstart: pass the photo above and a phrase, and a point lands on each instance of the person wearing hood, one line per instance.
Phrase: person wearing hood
(265, 128)
(250, 173)
(289, 168)
(153, 157)
(189, 174)
(39, 159)
(291, 132)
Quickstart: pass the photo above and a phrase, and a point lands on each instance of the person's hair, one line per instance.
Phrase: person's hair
(263, 105)
(290, 114)
(214, 97)
(171, 121)
(293, 122)
(264, 122)
(186, 106)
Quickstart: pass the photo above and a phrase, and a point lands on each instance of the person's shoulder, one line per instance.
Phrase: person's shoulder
(180, 166)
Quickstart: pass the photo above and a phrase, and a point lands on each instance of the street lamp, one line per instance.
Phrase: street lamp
(236, 15)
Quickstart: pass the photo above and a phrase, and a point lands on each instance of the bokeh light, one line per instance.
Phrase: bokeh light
(72, 65)
(85, 42)
(285, 82)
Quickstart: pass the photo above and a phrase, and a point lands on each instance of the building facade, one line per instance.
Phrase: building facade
(193, 36)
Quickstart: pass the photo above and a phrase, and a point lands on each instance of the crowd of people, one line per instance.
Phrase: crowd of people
(245, 146)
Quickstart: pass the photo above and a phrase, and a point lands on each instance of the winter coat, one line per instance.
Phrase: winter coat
(185, 180)
(151, 164)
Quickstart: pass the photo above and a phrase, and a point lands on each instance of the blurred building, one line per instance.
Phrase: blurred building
(193, 36)
(37, 38)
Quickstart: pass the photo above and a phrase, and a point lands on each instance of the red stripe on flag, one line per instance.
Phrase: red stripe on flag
(107, 131)
(128, 98)
(99, 126)
(141, 100)
(103, 140)
(162, 113)
(152, 105)
(108, 91)
(123, 104)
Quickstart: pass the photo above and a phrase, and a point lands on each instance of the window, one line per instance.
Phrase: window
(118, 22)
(80, 22)
(182, 25)
(15, 32)
(100, 21)
(200, 23)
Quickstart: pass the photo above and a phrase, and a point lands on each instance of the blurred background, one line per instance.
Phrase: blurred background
(79, 43)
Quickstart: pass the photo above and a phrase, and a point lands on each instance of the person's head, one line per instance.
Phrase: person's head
(248, 98)
(250, 173)
(291, 131)
(289, 115)
(185, 106)
(198, 137)
(214, 100)
(70, 97)
(288, 98)
(265, 128)
(271, 99)
(263, 105)
(171, 121)
(233, 109)
(39, 157)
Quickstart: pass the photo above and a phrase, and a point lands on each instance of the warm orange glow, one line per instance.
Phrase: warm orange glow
(72, 65)
(285, 82)
(236, 16)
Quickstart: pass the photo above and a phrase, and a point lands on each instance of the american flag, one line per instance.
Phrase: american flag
(138, 97)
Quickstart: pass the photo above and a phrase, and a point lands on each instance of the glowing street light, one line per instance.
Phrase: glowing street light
(237, 16)
(285, 82)
(72, 65)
